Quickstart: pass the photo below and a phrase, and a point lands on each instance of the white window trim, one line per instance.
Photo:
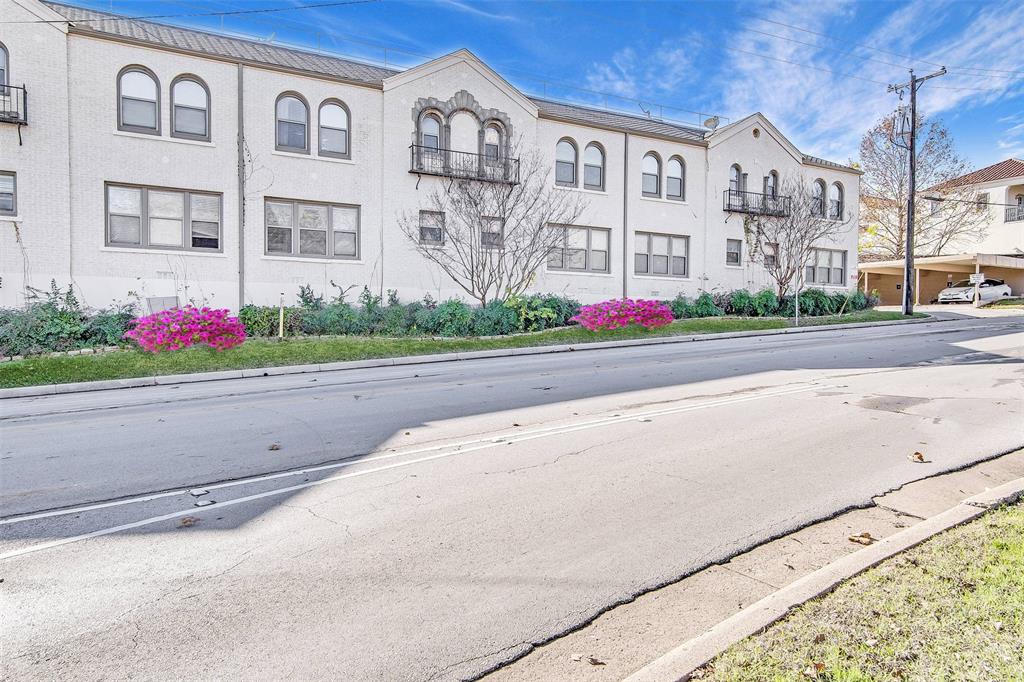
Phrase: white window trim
(307, 157)
(174, 140)
(674, 202)
(144, 219)
(164, 252)
(330, 258)
(667, 276)
(576, 271)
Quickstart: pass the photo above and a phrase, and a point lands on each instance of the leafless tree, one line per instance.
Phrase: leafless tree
(939, 227)
(782, 239)
(490, 238)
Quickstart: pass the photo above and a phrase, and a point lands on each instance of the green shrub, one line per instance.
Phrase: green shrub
(705, 306)
(452, 318)
(333, 319)
(681, 307)
(308, 300)
(740, 302)
(531, 313)
(816, 301)
(565, 308)
(765, 303)
(859, 301)
(495, 319)
(107, 327)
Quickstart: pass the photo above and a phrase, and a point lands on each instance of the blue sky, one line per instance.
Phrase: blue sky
(807, 65)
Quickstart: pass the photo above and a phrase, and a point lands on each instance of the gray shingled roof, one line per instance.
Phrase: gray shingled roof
(221, 46)
(612, 119)
(816, 161)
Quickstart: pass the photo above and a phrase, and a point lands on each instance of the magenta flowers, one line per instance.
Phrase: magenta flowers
(184, 327)
(623, 312)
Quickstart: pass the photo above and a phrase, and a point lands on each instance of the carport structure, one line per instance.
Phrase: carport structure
(932, 274)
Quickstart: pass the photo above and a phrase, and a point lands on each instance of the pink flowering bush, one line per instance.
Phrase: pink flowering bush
(184, 327)
(618, 313)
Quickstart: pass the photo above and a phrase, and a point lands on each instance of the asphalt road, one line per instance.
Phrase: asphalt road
(431, 522)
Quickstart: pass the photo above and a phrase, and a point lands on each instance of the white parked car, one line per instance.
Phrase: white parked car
(963, 291)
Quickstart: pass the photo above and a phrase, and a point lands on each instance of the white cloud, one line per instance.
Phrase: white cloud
(476, 10)
(652, 74)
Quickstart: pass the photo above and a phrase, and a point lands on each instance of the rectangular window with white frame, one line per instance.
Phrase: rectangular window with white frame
(663, 255)
(163, 218)
(826, 267)
(8, 193)
(432, 228)
(492, 233)
(733, 252)
(311, 230)
(580, 249)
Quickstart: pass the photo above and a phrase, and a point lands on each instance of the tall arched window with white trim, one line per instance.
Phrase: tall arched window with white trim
(835, 201)
(565, 163)
(651, 172)
(292, 118)
(190, 109)
(593, 167)
(5, 65)
(492, 141)
(430, 132)
(818, 198)
(138, 101)
(334, 130)
(675, 179)
(771, 185)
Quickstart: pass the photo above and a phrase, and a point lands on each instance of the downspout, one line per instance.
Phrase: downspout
(241, 191)
(707, 210)
(625, 216)
(382, 195)
(71, 174)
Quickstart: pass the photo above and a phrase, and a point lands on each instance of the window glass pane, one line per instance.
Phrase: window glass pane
(659, 244)
(822, 276)
(165, 232)
(565, 152)
(190, 94)
(675, 187)
(138, 85)
(650, 185)
(660, 265)
(640, 263)
(679, 246)
(313, 242)
(593, 156)
(279, 240)
(291, 109)
(592, 176)
(576, 258)
(333, 116)
(205, 207)
(345, 218)
(431, 234)
(492, 136)
(205, 235)
(640, 242)
(166, 204)
(837, 276)
(431, 127)
(599, 260)
(599, 240)
(291, 135)
(313, 217)
(125, 230)
(556, 258)
(809, 273)
(278, 214)
(138, 113)
(679, 266)
(125, 200)
(188, 120)
(6, 201)
(7, 184)
(565, 172)
(576, 238)
(344, 244)
(651, 165)
(335, 141)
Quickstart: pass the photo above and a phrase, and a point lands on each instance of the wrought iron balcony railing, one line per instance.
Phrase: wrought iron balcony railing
(1014, 213)
(739, 201)
(466, 165)
(13, 104)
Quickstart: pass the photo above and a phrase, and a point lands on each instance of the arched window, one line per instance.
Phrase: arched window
(292, 117)
(430, 132)
(492, 141)
(5, 60)
(565, 163)
(190, 108)
(675, 179)
(651, 183)
(835, 201)
(771, 185)
(818, 198)
(334, 133)
(735, 178)
(593, 167)
(138, 96)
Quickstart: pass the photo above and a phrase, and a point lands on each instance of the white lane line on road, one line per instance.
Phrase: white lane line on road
(365, 458)
(450, 451)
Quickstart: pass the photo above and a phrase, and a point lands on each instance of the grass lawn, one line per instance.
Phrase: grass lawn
(40, 370)
(1007, 303)
(950, 609)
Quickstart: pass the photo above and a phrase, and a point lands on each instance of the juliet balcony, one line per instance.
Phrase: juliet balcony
(450, 163)
(13, 104)
(1014, 214)
(738, 201)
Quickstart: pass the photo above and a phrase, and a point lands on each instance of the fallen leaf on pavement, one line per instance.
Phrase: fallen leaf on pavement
(863, 539)
(187, 521)
(274, 446)
(595, 661)
(918, 457)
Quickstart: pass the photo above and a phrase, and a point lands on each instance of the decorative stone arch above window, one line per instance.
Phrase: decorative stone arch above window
(461, 101)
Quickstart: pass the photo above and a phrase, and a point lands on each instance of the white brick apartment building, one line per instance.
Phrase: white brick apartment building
(169, 162)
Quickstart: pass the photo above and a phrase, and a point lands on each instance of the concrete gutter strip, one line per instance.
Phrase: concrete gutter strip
(680, 663)
(170, 379)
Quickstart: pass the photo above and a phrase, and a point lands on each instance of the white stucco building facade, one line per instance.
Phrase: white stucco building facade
(143, 159)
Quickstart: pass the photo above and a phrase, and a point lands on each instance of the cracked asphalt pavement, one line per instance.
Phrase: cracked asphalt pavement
(433, 522)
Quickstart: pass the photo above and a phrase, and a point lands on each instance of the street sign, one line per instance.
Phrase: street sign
(977, 278)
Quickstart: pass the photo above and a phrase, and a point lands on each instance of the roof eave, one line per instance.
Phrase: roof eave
(619, 129)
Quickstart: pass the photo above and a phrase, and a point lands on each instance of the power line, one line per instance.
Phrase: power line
(267, 10)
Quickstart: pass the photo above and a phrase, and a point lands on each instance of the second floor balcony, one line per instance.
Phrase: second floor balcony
(739, 201)
(13, 104)
(451, 163)
(1014, 214)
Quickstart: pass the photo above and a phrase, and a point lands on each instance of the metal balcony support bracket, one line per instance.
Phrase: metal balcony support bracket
(14, 106)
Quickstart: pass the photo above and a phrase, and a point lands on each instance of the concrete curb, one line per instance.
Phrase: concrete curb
(679, 663)
(166, 380)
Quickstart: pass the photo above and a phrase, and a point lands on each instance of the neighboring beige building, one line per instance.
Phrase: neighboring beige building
(998, 189)
(178, 164)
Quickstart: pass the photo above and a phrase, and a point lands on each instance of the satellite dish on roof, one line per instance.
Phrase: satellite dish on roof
(711, 123)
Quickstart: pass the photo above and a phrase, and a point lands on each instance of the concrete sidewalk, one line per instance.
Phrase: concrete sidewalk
(627, 638)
